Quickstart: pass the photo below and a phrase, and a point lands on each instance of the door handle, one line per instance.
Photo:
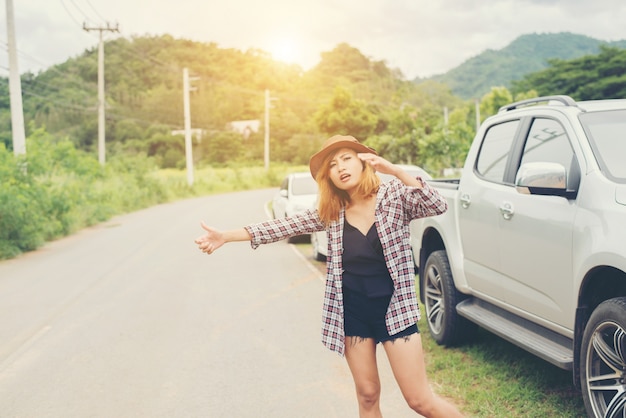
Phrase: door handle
(506, 209)
(465, 200)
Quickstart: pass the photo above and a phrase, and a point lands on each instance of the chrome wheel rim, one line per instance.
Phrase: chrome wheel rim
(434, 301)
(606, 370)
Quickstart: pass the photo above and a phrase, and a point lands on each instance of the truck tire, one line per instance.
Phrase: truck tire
(446, 326)
(603, 360)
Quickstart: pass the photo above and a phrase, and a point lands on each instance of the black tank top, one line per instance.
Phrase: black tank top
(365, 270)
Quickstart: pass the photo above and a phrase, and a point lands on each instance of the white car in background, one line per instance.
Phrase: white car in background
(319, 240)
(297, 193)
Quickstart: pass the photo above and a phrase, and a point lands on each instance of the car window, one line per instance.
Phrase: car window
(606, 136)
(284, 184)
(303, 185)
(495, 150)
(548, 142)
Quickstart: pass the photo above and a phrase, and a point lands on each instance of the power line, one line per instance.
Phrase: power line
(66, 81)
(95, 11)
(70, 79)
(80, 10)
(85, 109)
(69, 13)
(138, 55)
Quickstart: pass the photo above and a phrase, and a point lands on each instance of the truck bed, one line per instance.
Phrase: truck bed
(450, 184)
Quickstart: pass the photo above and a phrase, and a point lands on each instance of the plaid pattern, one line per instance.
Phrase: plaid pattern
(278, 229)
(397, 205)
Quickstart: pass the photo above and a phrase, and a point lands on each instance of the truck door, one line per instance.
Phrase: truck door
(535, 232)
(480, 193)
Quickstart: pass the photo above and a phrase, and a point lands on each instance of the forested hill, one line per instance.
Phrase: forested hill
(144, 99)
(345, 92)
(525, 55)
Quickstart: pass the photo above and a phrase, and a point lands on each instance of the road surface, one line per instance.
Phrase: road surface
(129, 319)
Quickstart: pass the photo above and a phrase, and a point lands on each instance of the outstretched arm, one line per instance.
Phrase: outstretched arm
(214, 239)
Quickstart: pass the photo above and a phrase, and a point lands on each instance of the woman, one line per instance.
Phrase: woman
(370, 285)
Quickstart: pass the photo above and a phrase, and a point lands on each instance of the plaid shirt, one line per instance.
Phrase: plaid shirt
(397, 205)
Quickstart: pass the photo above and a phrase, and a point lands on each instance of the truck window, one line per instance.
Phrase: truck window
(495, 151)
(605, 131)
(548, 142)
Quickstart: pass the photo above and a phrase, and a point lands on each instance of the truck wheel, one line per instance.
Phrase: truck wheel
(446, 326)
(603, 360)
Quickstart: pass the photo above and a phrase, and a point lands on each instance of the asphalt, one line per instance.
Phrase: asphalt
(129, 319)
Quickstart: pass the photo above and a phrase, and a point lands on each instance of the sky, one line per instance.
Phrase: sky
(421, 38)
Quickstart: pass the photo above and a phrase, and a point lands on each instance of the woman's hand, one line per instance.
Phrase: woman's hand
(211, 241)
(378, 163)
(385, 167)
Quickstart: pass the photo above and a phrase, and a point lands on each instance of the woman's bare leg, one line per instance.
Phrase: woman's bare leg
(407, 362)
(361, 357)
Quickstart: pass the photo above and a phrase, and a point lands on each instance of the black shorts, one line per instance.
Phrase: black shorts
(364, 317)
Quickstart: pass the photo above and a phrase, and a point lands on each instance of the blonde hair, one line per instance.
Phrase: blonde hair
(332, 199)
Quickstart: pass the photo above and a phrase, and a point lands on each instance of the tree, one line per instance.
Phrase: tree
(347, 62)
(222, 147)
(346, 93)
(592, 77)
(493, 101)
(345, 115)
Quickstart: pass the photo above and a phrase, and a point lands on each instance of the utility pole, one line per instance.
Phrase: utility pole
(101, 119)
(187, 115)
(268, 104)
(15, 87)
(477, 107)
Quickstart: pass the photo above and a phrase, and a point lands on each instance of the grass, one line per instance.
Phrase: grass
(209, 180)
(491, 377)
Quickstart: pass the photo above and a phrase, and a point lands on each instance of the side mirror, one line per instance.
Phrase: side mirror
(542, 179)
(283, 193)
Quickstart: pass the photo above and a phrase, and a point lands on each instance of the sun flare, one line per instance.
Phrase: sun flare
(285, 50)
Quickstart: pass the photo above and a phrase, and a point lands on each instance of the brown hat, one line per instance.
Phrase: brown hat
(332, 144)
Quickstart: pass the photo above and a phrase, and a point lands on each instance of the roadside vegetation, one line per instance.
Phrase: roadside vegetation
(58, 187)
(57, 190)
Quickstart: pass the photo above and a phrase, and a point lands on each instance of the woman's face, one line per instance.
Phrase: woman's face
(346, 169)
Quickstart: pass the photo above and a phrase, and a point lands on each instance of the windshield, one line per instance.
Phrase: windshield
(607, 135)
(303, 185)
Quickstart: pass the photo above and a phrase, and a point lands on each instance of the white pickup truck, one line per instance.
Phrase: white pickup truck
(533, 245)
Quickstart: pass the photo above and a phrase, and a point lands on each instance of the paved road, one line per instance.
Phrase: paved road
(129, 319)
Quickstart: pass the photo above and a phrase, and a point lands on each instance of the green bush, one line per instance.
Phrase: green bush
(56, 189)
(22, 219)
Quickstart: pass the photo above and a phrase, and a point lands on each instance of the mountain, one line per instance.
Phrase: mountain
(526, 54)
